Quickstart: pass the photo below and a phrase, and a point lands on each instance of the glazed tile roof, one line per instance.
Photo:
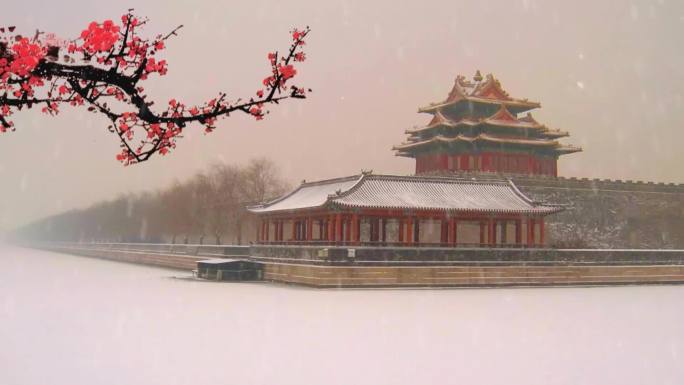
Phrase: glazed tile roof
(409, 192)
(487, 90)
(307, 195)
(454, 122)
(479, 138)
(503, 118)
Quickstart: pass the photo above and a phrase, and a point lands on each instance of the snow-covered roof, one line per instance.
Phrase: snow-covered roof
(308, 195)
(409, 192)
(218, 261)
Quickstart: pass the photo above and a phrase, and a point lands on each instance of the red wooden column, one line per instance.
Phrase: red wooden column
(451, 231)
(383, 228)
(266, 230)
(337, 229)
(541, 231)
(326, 228)
(401, 230)
(337, 226)
(358, 229)
(355, 228)
(309, 229)
(416, 231)
(491, 226)
(444, 231)
(258, 232)
(483, 225)
(374, 229)
(347, 229)
(518, 231)
(454, 230)
(330, 236)
(409, 230)
(294, 229)
(530, 231)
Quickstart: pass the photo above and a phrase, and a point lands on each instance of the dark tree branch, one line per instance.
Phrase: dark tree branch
(123, 60)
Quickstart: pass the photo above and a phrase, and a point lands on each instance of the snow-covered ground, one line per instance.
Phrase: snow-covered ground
(74, 320)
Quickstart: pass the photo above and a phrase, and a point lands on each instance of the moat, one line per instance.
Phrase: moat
(68, 319)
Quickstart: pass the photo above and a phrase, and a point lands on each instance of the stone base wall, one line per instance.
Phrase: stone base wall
(335, 266)
(446, 256)
(468, 276)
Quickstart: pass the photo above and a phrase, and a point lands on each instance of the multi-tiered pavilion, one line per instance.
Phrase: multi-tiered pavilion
(478, 128)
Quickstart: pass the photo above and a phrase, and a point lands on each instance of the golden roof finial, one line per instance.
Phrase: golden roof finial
(478, 76)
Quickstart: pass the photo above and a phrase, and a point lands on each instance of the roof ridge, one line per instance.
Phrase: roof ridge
(439, 178)
(329, 181)
(356, 185)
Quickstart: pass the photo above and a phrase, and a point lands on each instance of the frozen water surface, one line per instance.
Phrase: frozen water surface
(74, 320)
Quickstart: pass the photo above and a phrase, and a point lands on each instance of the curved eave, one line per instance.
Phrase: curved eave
(564, 150)
(287, 211)
(449, 125)
(492, 123)
(516, 105)
(555, 134)
(460, 138)
(518, 124)
(544, 210)
(403, 153)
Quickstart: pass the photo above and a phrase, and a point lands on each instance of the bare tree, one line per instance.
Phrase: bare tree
(210, 203)
(261, 181)
(225, 202)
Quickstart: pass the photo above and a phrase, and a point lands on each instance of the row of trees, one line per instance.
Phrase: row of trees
(207, 208)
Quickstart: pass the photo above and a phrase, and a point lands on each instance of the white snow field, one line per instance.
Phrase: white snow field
(74, 320)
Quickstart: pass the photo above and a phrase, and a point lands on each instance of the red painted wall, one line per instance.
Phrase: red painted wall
(489, 162)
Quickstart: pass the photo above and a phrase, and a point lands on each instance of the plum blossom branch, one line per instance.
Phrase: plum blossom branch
(103, 70)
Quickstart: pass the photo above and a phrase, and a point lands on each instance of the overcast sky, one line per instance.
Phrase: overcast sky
(609, 72)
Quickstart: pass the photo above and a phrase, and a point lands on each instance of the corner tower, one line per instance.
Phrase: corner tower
(478, 128)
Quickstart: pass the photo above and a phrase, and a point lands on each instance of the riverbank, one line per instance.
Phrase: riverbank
(320, 266)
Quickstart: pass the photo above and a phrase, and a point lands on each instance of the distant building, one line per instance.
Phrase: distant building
(477, 128)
